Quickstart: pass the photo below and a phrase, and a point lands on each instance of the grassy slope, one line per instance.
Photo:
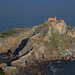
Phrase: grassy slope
(59, 43)
(12, 32)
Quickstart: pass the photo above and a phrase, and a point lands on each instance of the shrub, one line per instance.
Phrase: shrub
(1, 71)
(69, 28)
(62, 41)
(9, 32)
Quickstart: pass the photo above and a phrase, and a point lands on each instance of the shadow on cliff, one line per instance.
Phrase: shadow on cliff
(27, 52)
(21, 46)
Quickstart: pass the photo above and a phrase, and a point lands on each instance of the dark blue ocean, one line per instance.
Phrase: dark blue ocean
(28, 13)
(66, 67)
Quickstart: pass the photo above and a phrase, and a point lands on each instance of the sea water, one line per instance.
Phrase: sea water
(63, 67)
(28, 13)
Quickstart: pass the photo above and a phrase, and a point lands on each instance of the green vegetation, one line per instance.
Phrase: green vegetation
(14, 70)
(10, 32)
(1, 71)
(50, 25)
(73, 39)
(69, 28)
(59, 43)
(7, 73)
(62, 41)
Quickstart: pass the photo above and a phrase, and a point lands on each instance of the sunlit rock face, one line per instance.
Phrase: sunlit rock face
(71, 31)
(58, 27)
(47, 41)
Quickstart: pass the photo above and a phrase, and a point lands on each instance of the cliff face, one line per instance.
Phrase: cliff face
(58, 27)
(13, 42)
(45, 41)
(71, 31)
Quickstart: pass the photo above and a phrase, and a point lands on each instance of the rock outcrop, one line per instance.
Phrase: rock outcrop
(58, 27)
(13, 42)
(71, 31)
(48, 41)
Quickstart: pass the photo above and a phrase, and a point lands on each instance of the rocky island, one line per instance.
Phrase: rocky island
(51, 40)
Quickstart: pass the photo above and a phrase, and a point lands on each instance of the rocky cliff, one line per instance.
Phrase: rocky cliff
(48, 41)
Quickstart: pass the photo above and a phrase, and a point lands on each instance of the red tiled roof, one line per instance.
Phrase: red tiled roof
(61, 20)
(52, 19)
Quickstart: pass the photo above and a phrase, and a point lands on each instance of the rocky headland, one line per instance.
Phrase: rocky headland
(45, 42)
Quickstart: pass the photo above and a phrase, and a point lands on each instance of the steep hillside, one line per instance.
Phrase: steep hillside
(48, 41)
